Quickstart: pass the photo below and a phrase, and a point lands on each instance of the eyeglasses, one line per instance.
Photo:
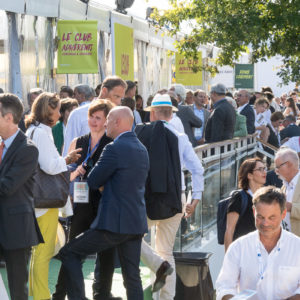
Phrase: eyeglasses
(261, 169)
(277, 168)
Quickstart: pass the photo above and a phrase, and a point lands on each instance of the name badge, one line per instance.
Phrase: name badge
(81, 192)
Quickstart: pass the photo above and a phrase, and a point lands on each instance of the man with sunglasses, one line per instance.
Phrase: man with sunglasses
(287, 167)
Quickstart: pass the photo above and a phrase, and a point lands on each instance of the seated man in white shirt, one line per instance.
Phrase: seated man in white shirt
(266, 261)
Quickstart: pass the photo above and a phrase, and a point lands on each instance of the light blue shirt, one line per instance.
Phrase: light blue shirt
(121, 134)
(8, 142)
(199, 131)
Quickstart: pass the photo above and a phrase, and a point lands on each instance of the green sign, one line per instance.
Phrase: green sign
(244, 76)
(77, 47)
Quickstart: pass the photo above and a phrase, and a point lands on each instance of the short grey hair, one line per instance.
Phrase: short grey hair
(180, 91)
(288, 154)
(84, 89)
(218, 88)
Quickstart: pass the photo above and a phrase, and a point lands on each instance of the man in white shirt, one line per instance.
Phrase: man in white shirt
(287, 167)
(166, 222)
(266, 261)
(113, 88)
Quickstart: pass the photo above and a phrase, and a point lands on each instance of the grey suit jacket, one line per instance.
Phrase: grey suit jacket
(189, 121)
(18, 225)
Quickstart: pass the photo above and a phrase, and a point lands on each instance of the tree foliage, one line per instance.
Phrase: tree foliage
(266, 27)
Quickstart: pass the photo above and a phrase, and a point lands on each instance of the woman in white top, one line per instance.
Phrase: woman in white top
(44, 115)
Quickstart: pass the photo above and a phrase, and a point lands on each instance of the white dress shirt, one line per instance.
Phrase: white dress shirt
(77, 125)
(176, 123)
(190, 161)
(290, 188)
(267, 115)
(247, 265)
(240, 108)
(49, 159)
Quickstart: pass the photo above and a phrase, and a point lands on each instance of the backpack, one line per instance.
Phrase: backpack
(222, 213)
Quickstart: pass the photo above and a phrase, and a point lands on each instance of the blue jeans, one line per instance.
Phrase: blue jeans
(129, 249)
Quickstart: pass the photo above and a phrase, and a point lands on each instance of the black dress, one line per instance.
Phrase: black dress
(85, 213)
(246, 223)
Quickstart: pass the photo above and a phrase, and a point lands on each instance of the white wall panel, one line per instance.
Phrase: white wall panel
(16, 6)
(102, 16)
(45, 8)
(72, 10)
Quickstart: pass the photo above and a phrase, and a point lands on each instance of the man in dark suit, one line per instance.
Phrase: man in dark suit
(18, 226)
(246, 110)
(291, 129)
(221, 122)
(121, 220)
(185, 113)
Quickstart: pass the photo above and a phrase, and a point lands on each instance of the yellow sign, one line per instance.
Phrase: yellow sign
(77, 47)
(123, 50)
(184, 70)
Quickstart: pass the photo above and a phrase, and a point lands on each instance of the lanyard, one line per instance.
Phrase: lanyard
(90, 153)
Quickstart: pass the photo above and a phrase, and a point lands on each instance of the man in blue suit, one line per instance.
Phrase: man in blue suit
(121, 221)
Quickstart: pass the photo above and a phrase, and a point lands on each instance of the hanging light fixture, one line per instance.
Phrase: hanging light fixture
(122, 5)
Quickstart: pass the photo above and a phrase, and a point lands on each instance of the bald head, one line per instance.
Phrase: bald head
(119, 120)
(242, 97)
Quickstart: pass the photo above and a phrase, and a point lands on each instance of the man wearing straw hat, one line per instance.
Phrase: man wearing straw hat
(168, 152)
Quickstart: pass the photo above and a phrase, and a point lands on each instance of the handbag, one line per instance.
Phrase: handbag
(50, 191)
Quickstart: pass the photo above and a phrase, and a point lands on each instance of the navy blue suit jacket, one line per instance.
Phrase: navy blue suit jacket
(221, 122)
(290, 131)
(123, 169)
(248, 112)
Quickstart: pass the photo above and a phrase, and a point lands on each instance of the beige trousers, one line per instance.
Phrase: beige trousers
(164, 243)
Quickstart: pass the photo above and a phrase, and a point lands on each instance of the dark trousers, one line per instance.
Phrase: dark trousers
(84, 214)
(129, 250)
(17, 271)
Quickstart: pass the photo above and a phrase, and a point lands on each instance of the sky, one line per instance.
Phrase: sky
(139, 6)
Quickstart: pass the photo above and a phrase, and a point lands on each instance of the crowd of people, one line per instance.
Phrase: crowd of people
(126, 164)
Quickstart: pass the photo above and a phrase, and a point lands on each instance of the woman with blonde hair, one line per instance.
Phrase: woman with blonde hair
(44, 115)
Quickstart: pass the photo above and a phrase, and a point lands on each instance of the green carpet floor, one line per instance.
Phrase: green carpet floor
(88, 268)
